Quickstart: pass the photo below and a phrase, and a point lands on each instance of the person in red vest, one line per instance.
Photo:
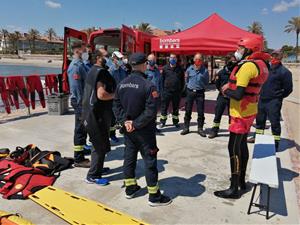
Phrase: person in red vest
(243, 89)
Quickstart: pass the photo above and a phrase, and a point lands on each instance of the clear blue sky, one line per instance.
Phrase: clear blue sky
(164, 14)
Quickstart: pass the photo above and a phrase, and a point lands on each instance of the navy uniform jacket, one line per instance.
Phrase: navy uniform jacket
(136, 100)
(154, 76)
(76, 76)
(118, 73)
(279, 83)
(172, 78)
(87, 65)
(222, 77)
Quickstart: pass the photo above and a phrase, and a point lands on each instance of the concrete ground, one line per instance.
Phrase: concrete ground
(291, 115)
(190, 167)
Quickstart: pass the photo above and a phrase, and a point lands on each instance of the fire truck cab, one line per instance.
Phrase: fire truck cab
(124, 39)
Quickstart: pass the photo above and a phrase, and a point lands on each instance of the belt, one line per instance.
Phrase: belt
(196, 91)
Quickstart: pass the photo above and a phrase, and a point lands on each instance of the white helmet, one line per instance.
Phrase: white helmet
(117, 54)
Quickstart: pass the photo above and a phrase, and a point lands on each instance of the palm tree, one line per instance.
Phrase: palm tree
(18, 36)
(50, 33)
(4, 34)
(145, 27)
(90, 30)
(14, 39)
(294, 26)
(256, 28)
(11, 39)
(33, 35)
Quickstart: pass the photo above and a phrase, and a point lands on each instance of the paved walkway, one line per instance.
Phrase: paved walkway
(291, 114)
(191, 169)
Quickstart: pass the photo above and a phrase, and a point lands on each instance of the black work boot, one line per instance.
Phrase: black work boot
(176, 123)
(80, 161)
(159, 200)
(86, 163)
(232, 191)
(243, 185)
(162, 124)
(251, 139)
(131, 191)
(277, 145)
(185, 131)
(214, 132)
(201, 132)
(186, 128)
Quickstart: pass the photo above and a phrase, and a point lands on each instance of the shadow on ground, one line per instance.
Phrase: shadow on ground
(140, 172)
(181, 186)
(286, 144)
(23, 117)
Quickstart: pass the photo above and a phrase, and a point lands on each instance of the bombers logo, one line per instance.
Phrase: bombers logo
(169, 43)
(129, 85)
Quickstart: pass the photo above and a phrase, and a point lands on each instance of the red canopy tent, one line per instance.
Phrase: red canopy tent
(212, 36)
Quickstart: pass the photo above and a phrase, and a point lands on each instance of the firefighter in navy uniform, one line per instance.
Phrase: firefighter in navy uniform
(243, 88)
(172, 87)
(222, 101)
(153, 75)
(97, 113)
(76, 76)
(278, 86)
(135, 107)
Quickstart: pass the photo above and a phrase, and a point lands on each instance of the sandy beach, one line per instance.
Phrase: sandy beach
(39, 62)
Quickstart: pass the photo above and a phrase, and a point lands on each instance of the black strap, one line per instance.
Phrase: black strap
(42, 155)
(18, 152)
(250, 94)
(9, 215)
(249, 84)
(245, 61)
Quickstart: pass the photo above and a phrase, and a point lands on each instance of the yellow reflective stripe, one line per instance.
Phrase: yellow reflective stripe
(130, 181)
(78, 148)
(216, 124)
(175, 117)
(153, 190)
(259, 131)
(276, 137)
(112, 128)
(163, 117)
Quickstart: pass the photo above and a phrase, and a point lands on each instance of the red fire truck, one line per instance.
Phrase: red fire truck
(125, 40)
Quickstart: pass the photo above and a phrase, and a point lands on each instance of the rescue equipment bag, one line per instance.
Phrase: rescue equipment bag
(4, 152)
(50, 162)
(12, 219)
(18, 181)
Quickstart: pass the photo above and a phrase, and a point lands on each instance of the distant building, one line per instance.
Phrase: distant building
(159, 32)
(42, 45)
(291, 58)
